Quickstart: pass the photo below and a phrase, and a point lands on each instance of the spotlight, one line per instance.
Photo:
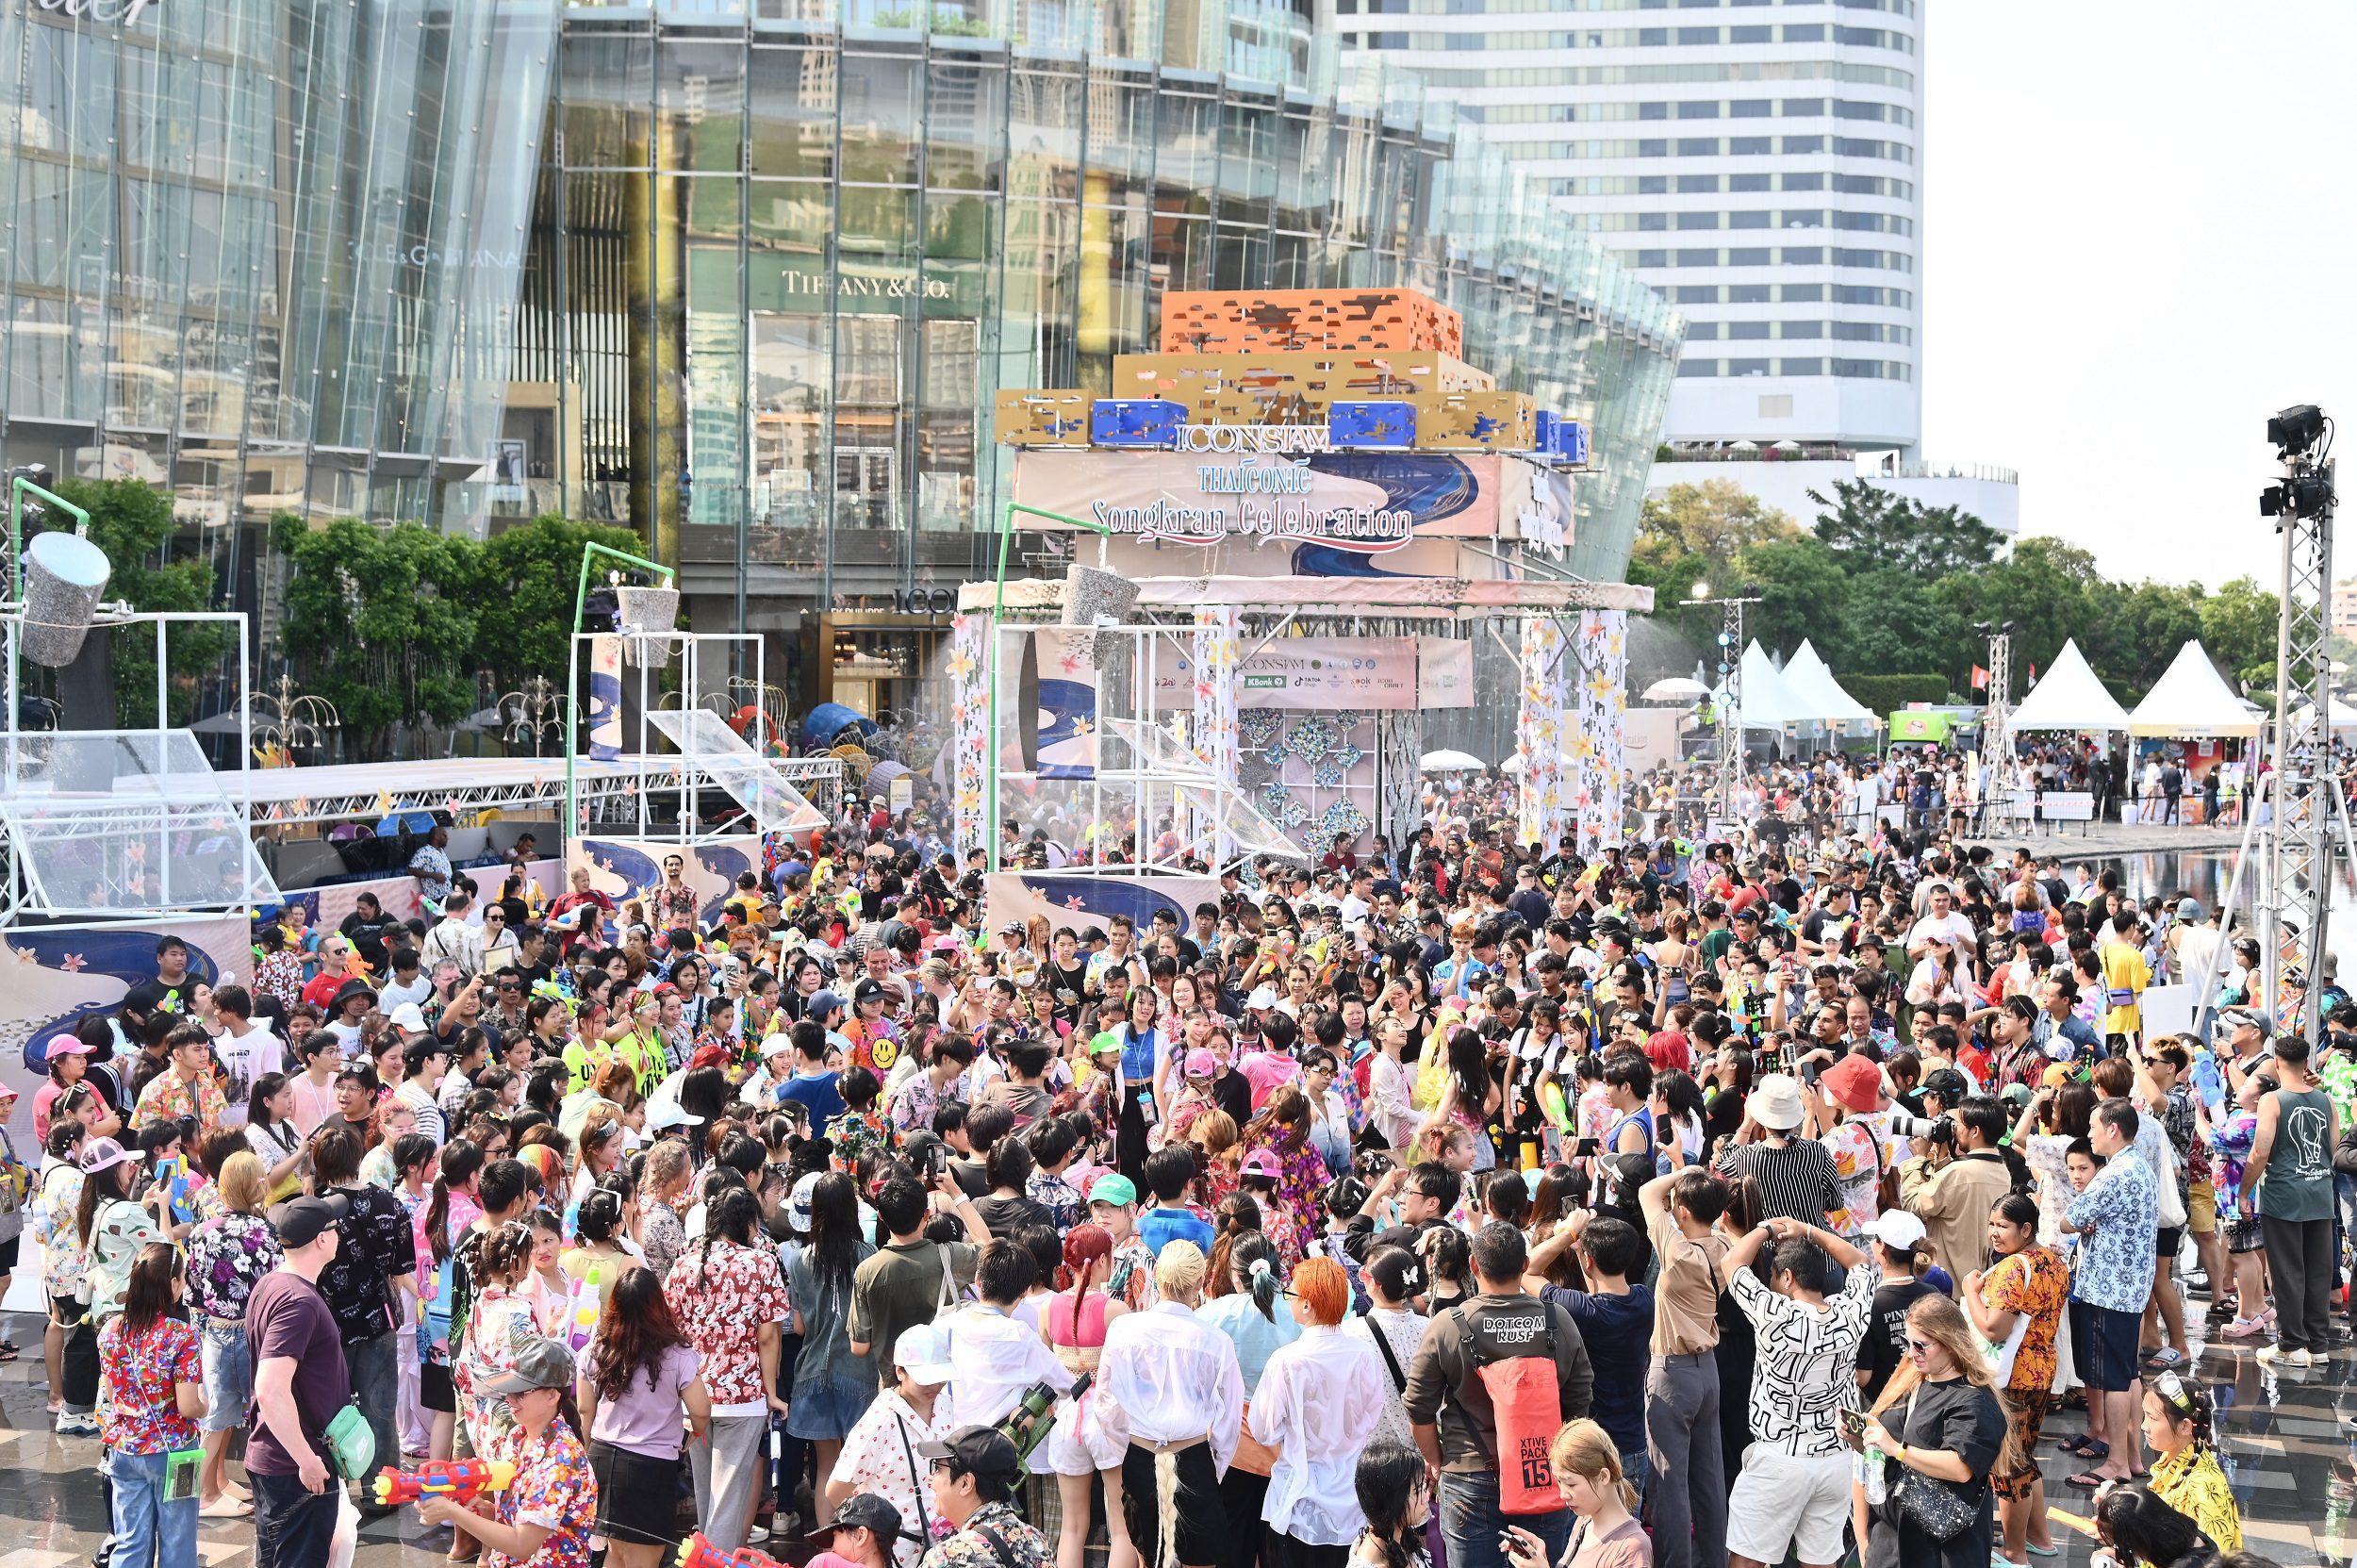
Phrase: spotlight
(2295, 429)
(2304, 495)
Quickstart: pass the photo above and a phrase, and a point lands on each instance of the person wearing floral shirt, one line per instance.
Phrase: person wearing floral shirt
(730, 1302)
(2185, 1472)
(187, 1089)
(228, 1254)
(153, 1375)
(542, 1520)
(2117, 1220)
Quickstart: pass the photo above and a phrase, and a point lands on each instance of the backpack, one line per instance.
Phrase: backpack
(1527, 1402)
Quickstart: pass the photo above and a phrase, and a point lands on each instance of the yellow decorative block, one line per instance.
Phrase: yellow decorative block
(1035, 417)
(1288, 388)
(1476, 421)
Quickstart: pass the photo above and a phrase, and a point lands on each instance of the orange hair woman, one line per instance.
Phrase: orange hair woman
(1317, 1404)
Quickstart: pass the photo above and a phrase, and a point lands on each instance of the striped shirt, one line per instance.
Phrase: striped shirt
(1797, 1180)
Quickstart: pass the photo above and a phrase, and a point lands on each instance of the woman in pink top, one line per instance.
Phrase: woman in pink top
(1077, 1448)
(1588, 1474)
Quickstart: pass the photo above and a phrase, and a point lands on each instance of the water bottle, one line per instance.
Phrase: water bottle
(1873, 1465)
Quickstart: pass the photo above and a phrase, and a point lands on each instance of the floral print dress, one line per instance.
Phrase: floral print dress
(553, 1489)
(227, 1257)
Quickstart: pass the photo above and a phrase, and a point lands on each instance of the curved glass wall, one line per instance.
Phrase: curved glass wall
(744, 274)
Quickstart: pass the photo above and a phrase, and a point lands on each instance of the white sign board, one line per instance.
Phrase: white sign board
(2066, 806)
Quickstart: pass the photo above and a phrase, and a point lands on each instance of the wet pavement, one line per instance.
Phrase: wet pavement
(2286, 1440)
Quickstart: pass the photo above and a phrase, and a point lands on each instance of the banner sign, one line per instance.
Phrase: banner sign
(1064, 695)
(1363, 503)
(59, 975)
(627, 869)
(1081, 900)
(1312, 673)
(1445, 672)
(2066, 806)
(605, 699)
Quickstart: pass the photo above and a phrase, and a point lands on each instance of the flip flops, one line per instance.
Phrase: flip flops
(2093, 1450)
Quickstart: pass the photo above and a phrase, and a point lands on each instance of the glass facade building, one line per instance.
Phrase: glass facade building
(745, 274)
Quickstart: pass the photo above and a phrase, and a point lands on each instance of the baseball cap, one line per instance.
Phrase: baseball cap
(1948, 1084)
(102, 1154)
(534, 1363)
(1263, 997)
(299, 1221)
(1104, 1042)
(1114, 1189)
(1260, 1163)
(663, 1113)
(825, 1003)
(1899, 1230)
(1202, 1064)
(923, 1352)
(868, 989)
(2233, 1016)
(65, 1045)
(2189, 909)
(983, 1452)
(865, 1511)
(798, 1201)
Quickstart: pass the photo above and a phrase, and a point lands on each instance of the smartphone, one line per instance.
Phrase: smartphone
(1585, 1149)
(1853, 1424)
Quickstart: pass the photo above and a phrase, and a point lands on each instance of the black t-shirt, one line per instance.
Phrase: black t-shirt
(1004, 1216)
(1232, 1092)
(1071, 988)
(153, 993)
(1884, 1349)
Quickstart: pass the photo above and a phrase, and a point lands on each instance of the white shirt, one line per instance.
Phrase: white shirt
(246, 1057)
(1390, 1106)
(1952, 927)
(1166, 1377)
(1319, 1401)
(993, 1358)
(455, 940)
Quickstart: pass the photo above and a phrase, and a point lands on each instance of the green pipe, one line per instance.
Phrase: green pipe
(572, 671)
(990, 653)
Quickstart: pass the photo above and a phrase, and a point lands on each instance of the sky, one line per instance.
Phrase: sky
(2139, 241)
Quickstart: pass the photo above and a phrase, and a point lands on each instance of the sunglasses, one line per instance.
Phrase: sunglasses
(495, 920)
(1919, 1346)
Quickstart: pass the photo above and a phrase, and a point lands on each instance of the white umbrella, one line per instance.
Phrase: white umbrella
(1677, 688)
(1449, 761)
(1512, 763)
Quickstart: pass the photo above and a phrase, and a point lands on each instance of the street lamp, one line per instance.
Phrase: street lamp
(1731, 682)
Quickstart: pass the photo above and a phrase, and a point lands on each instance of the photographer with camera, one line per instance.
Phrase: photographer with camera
(1951, 1185)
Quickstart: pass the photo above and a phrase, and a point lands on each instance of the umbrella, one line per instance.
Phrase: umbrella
(1677, 688)
(1512, 763)
(1449, 761)
(407, 820)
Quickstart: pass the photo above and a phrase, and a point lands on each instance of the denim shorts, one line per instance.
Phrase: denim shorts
(228, 1378)
(823, 1409)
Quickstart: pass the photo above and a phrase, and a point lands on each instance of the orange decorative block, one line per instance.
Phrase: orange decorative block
(1287, 320)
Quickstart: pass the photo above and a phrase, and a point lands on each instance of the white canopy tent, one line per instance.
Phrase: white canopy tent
(2344, 717)
(1812, 685)
(2069, 696)
(1768, 703)
(2191, 700)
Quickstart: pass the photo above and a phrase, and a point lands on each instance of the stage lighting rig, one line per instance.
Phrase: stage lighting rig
(2296, 429)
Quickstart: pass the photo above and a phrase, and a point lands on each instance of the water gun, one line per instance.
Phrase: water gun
(1028, 1425)
(696, 1552)
(173, 1173)
(460, 1481)
(589, 1300)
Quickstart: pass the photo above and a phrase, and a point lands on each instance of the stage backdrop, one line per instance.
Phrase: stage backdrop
(626, 868)
(59, 975)
(1081, 901)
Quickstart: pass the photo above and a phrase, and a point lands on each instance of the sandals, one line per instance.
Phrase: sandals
(2093, 1450)
(2088, 1478)
(225, 1506)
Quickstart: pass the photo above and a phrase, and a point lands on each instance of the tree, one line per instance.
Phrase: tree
(1707, 525)
(1804, 592)
(382, 623)
(131, 521)
(531, 573)
(1881, 529)
(2239, 626)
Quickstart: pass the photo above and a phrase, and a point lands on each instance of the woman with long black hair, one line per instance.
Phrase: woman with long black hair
(640, 1375)
(831, 1387)
(1395, 1494)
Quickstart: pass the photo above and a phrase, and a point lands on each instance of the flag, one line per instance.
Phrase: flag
(1980, 679)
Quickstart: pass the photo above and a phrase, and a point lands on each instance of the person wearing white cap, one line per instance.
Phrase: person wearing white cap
(902, 1418)
(1797, 1176)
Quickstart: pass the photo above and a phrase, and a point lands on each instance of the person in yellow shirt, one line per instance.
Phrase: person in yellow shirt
(2125, 976)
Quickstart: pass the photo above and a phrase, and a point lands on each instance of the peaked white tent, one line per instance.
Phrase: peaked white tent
(1769, 704)
(2069, 696)
(1812, 685)
(2190, 699)
(2344, 717)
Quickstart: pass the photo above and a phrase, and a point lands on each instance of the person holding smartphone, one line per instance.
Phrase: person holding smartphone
(1588, 1474)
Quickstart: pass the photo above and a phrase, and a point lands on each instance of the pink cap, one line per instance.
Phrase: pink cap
(1260, 1163)
(65, 1045)
(1202, 1064)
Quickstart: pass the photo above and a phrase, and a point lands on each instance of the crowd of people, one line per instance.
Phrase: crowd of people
(1473, 1204)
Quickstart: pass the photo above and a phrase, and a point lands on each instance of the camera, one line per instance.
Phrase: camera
(1943, 1132)
(1912, 1126)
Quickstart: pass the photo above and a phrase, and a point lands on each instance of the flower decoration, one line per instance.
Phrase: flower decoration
(1259, 726)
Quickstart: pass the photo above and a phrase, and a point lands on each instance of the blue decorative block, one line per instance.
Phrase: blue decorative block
(1372, 424)
(1135, 422)
(1562, 440)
